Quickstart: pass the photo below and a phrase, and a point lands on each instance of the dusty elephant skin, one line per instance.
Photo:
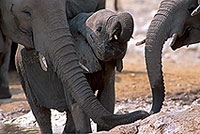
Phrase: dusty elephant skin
(46, 30)
(173, 19)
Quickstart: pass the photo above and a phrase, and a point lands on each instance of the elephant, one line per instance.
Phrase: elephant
(43, 27)
(7, 63)
(5, 49)
(116, 5)
(91, 32)
(173, 19)
(7, 55)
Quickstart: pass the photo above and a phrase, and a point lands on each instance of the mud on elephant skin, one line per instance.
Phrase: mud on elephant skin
(173, 19)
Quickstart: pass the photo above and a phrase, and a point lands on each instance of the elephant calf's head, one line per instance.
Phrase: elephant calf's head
(108, 34)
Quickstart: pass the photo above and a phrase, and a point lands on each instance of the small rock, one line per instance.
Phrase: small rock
(173, 122)
(133, 86)
(133, 74)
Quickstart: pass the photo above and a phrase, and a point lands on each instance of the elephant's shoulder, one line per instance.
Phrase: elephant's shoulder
(86, 55)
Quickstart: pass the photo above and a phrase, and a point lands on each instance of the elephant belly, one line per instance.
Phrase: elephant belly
(45, 86)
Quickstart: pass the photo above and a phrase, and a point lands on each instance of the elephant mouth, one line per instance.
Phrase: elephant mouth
(183, 40)
(188, 37)
(115, 50)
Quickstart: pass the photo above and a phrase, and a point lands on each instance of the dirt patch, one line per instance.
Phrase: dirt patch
(179, 77)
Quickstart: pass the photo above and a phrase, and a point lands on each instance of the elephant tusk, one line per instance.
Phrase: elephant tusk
(115, 37)
(43, 62)
(173, 40)
(84, 67)
(196, 11)
(140, 43)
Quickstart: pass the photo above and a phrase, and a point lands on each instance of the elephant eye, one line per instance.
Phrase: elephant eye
(27, 13)
(99, 29)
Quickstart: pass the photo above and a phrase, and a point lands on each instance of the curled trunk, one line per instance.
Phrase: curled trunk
(126, 23)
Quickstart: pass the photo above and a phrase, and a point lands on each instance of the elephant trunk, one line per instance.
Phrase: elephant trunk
(69, 71)
(59, 51)
(157, 34)
(123, 27)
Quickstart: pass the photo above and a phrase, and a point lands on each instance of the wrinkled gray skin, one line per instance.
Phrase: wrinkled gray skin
(42, 26)
(173, 16)
(101, 79)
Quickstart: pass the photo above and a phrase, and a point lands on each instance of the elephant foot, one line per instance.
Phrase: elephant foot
(4, 93)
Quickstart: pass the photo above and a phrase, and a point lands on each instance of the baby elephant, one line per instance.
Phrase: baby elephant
(106, 34)
(101, 42)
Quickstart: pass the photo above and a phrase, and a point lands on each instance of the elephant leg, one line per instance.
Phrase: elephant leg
(4, 85)
(43, 117)
(42, 114)
(70, 127)
(76, 117)
(116, 5)
(107, 95)
(81, 120)
(12, 57)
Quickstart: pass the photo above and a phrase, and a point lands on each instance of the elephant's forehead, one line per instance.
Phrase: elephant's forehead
(75, 7)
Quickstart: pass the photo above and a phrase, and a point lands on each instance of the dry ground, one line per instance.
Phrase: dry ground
(182, 74)
(180, 78)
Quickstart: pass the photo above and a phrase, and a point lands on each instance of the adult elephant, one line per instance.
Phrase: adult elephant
(173, 19)
(42, 25)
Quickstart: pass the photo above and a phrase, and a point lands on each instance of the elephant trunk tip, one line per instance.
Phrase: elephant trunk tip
(158, 92)
(125, 24)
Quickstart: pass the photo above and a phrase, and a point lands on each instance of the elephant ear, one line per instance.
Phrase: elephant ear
(86, 56)
(84, 52)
